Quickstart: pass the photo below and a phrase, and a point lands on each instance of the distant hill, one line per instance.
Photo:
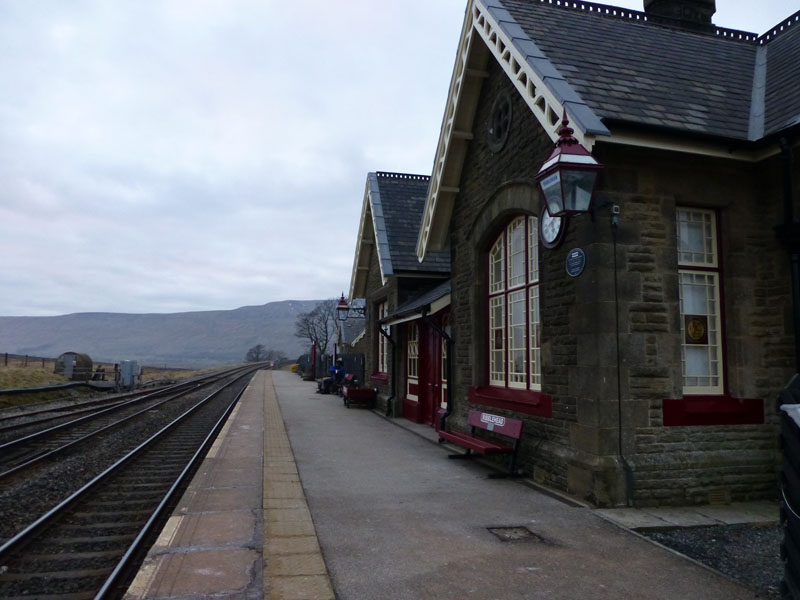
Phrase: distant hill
(177, 339)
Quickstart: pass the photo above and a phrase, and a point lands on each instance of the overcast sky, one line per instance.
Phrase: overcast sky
(178, 155)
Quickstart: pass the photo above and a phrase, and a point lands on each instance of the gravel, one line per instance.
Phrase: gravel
(750, 554)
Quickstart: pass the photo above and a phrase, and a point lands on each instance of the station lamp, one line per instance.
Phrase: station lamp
(344, 310)
(567, 178)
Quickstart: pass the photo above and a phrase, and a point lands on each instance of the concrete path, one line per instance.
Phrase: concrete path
(397, 520)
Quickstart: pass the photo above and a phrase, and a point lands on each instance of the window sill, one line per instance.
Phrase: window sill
(520, 401)
(380, 378)
(712, 410)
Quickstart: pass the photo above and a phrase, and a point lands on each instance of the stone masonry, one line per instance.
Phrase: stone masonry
(581, 449)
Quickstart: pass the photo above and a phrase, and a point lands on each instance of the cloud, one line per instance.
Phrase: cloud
(170, 155)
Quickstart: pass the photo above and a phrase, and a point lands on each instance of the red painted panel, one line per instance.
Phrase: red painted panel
(712, 410)
(380, 377)
(411, 410)
(429, 373)
(521, 401)
(413, 388)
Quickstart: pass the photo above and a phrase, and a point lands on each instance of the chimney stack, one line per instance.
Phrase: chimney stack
(690, 12)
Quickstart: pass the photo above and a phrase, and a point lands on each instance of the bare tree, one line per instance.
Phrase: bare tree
(260, 353)
(276, 356)
(256, 354)
(319, 325)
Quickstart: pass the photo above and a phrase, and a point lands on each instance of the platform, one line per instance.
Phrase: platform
(359, 506)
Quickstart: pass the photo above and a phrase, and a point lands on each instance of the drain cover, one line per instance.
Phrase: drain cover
(515, 534)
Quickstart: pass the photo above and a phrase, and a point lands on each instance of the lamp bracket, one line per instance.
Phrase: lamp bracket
(602, 203)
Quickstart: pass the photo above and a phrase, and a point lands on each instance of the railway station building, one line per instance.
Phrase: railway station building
(644, 341)
(387, 277)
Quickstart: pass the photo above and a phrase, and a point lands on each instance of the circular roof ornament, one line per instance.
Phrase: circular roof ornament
(499, 122)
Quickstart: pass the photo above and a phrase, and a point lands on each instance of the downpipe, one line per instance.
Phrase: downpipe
(392, 376)
(630, 483)
(789, 233)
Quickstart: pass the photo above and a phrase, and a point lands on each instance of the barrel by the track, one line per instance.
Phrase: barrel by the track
(242, 529)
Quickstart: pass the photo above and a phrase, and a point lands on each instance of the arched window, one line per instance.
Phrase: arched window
(513, 305)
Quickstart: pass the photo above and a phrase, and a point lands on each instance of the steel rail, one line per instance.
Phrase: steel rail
(136, 545)
(48, 454)
(34, 529)
(196, 382)
(66, 408)
(78, 421)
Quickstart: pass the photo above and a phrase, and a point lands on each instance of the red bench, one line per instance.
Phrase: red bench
(477, 420)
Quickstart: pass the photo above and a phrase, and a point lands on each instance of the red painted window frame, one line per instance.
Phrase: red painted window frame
(528, 402)
(714, 409)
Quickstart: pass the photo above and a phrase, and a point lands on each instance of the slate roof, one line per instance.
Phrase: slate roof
(352, 328)
(397, 201)
(421, 300)
(720, 83)
(783, 75)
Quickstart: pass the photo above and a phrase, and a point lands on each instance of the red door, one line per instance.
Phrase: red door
(430, 373)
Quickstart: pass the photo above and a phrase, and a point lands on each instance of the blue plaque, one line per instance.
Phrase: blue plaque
(576, 261)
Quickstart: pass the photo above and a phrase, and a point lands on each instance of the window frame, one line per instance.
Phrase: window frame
(412, 359)
(509, 286)
(708, 266)
(382, 355)
(707, 406)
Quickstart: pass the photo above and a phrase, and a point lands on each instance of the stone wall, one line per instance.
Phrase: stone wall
(377, 292)
(595, 428)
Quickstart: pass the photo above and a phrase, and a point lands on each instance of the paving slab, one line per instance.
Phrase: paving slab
(301, 498)
(757, 513)
(242, 529)
(212, 545)
(396, 519)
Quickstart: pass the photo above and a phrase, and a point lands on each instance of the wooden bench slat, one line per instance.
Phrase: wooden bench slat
(478, 420)
(477, 444)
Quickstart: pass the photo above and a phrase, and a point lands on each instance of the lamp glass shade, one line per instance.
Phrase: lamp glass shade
(342, 309)
(551, 188)
(578, 187)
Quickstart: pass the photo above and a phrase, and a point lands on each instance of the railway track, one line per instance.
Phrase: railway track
(19, 423)
(86, 544)
(30, 450)
(36, 419)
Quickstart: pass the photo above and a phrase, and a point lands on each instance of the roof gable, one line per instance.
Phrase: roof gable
(390, 217)
(620, 78)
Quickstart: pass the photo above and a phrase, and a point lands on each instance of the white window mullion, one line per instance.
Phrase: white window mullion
(413, 361)
(700, 309)
(497, 346)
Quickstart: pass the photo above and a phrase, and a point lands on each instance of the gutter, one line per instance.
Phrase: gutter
(789, 234)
